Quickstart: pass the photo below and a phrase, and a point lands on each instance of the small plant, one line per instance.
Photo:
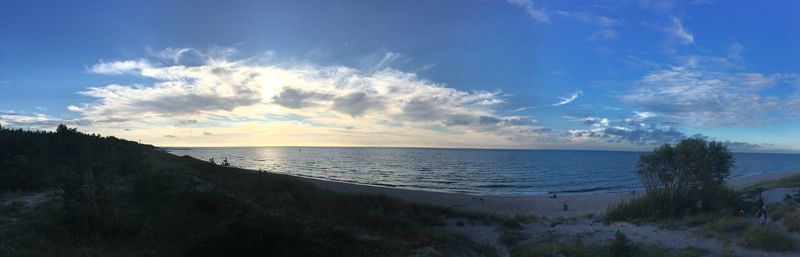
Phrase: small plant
(767, 238)
(558, 221)
(622, 246)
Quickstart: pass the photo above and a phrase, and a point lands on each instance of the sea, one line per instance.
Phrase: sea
(470, 171)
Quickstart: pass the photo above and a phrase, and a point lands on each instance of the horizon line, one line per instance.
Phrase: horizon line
(469, 148)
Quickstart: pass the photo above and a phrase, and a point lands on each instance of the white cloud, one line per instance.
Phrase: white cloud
(564, 101)
(701, 98)
(603, 34)
(537, 13)
(223, 92)
(680, 32)
(32, 121)
(569, 99)
(119, 67)
(172, 54)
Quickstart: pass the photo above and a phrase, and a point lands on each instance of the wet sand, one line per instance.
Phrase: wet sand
(578, 204)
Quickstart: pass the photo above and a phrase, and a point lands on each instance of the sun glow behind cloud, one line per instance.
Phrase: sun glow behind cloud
(258, 101)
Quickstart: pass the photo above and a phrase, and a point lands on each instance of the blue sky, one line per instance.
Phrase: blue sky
(623, 75)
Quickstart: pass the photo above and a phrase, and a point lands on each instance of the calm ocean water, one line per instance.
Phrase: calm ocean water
(473, 171)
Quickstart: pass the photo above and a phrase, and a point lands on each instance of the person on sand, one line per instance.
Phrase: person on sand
(762, 215)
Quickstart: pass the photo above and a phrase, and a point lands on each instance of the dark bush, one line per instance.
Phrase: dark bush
(685, 179)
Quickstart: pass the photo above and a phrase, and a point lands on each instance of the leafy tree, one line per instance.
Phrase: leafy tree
(64, 130)
(691, 172)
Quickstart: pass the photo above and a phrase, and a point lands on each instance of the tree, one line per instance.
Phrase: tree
(693, 171)
(64, 130)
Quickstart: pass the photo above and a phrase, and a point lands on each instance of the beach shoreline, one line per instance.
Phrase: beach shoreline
(579, 204)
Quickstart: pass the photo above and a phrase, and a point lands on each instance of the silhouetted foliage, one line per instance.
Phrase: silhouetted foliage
(121, 198)
(694, 169)
(87, 198)
(622, 246)
(682, 179)
(35, 160)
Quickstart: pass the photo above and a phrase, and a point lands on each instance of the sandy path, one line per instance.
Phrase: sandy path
(578, 204)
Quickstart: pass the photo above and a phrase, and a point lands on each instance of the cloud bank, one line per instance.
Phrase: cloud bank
(223, 92)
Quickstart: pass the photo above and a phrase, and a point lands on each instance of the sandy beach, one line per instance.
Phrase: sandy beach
(578, 204)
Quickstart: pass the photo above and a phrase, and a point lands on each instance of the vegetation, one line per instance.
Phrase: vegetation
(679, 180)
(620, 246)
(692, 252)
(113, 197)
(767, 238)
(723, 226)
(792, 221)
(793, 180)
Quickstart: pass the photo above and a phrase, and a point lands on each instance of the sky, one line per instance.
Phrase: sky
(609, 75)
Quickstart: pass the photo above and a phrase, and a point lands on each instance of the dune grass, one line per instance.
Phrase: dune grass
(790, 181)
(620, 246)
(792, 221)
(767, 238)
(120, 198)
(726, 227)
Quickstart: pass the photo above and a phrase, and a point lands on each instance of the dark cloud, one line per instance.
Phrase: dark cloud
(356, 104)
(536, 131)
(421, 110)
(487, 120)
(190, 103)
(644, 136)
(296, 99)
(460, 120)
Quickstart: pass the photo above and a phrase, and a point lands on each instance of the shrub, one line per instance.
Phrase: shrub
(725, 225)
(778, 210)
(680, 180)
(621, 246)
(792, 221)
(766, 238)
(699, 219)
(87, 198)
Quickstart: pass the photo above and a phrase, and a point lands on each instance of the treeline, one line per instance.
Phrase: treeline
(36, 160)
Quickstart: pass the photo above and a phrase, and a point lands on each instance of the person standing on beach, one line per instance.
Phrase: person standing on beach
(762, 215)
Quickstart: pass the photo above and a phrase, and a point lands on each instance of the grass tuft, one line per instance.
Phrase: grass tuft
(767, 238)
(725, 226)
